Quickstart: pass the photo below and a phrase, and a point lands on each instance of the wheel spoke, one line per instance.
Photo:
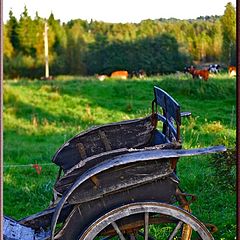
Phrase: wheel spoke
(174, 232)
(118, 231)
(146, 224)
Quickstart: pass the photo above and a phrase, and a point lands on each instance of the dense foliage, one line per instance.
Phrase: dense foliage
(80, 47)
(224, 165)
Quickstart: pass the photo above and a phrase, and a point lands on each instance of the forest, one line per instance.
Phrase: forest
(81, 47)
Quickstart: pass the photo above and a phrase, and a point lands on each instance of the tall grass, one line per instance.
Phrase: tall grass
(39, 116)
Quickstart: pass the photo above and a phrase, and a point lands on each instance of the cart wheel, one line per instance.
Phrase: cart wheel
(136, 220)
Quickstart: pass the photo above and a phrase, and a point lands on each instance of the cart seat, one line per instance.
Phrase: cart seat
(137, 133)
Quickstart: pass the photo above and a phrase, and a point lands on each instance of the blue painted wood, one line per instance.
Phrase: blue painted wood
(159, 138)
(170, 125)
(13, 230)
(168, 104)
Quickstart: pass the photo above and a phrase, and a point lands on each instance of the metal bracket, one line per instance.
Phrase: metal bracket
(183, 198)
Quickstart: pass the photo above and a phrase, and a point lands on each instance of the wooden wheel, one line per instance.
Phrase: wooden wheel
(135, 220)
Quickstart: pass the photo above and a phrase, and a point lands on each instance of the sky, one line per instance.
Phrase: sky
(115, 11)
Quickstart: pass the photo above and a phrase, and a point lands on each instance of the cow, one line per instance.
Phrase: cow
(119, 74)
(139, 74)
(202, 74)
(101, 77)
(232, 71)
(214, 68)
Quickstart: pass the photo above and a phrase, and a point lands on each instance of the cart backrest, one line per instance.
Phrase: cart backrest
(170, 113)
(135, 133)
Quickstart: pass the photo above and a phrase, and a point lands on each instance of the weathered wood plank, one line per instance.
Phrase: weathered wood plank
(126, 134)
(120, 178)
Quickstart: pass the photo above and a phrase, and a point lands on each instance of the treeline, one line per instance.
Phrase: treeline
(79, 47)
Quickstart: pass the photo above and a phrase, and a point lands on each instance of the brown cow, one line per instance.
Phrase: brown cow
(198, 73)
(119, 74)
(232, 71)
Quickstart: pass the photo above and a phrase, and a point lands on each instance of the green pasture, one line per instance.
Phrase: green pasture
(39, 116)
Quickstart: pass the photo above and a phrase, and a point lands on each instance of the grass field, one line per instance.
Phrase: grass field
(39, 116)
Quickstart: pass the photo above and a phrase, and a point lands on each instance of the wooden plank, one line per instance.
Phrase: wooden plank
(126, 134)
(118, 179)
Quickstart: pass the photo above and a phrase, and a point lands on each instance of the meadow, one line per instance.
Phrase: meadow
(39, 116)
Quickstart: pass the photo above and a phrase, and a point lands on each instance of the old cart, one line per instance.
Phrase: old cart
(119, 181)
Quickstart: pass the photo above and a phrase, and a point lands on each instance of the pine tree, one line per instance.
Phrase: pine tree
(26, 33)
(12, 26)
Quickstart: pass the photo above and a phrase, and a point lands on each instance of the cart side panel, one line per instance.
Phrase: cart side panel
(120, 178)
(162, 190)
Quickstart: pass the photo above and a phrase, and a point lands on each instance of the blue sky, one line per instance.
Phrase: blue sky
(116, 10)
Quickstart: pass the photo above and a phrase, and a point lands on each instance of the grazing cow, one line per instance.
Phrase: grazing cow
(197, 73)
(232, 71)
(139, 74)
(214, 68)
(119, 74)
(101, 77)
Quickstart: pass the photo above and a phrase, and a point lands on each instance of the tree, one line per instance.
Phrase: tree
(76, 48)
(8, 48)
(57, 45)
(26, 33)
(12, 26)
(228, 21)
(7, 51)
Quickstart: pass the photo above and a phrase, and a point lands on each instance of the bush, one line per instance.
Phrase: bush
(225, 168)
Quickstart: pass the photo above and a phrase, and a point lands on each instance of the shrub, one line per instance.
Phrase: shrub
(225, 168)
